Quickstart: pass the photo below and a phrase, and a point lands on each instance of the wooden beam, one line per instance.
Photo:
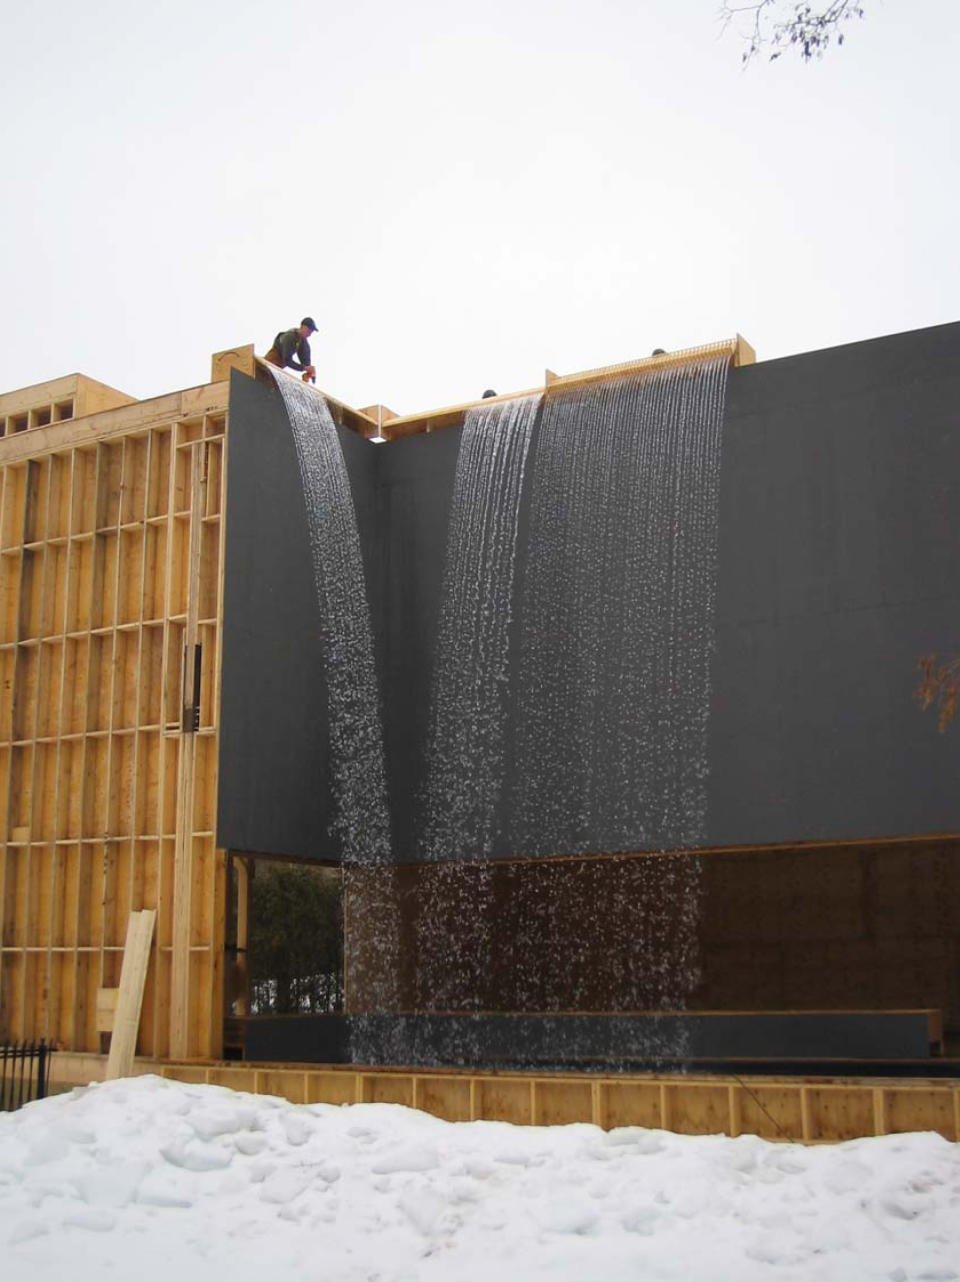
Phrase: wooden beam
(242, 973)
(180, 1031)
(735, 350)
(133, 976)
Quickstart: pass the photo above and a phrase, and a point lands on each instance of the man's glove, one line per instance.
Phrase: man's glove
(310, 374)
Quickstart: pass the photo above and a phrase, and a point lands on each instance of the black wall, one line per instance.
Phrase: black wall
(838, 568)
(839, 548)
(414, 494)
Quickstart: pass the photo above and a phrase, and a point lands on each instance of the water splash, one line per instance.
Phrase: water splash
(465, 752)
(359, 787)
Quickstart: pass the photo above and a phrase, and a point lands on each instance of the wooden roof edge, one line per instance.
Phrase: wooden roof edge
(737, 349)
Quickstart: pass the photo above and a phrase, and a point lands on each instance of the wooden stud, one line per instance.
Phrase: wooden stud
(733, 1093)
(879, 1111)
(242, 973)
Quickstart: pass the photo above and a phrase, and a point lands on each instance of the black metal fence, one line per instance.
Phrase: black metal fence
(24, 1073)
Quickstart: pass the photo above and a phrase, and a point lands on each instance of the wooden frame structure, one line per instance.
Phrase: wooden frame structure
(111, 601)
(111, 561)
(111, 598)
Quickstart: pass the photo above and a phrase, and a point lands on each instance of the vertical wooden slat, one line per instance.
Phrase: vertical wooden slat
(242, 997)
(733, 1093)
(879, 1111)
(181, 1034)
(806, 1126)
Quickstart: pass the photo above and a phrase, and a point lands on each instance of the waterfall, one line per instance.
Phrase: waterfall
(616, 632)
(468, 709)
(617, 615)
(359, 787)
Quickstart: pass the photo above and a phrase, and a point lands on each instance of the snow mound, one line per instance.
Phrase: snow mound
(154, 1180)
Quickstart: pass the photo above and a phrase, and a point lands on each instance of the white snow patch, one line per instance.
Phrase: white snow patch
(153, 1180)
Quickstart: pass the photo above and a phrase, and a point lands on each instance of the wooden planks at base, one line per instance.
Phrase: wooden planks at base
(133, 978)
(809, 1110)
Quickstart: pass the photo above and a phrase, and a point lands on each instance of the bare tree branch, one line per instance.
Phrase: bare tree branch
(773, 29)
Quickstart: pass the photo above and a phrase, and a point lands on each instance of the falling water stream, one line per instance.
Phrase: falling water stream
(468, 706)
(616, 632)
(617, 615)
(362, 816)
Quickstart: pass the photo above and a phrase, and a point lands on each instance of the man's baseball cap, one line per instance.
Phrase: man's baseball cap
(310, 323)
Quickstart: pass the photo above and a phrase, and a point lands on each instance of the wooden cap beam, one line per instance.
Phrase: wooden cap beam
(737, 350)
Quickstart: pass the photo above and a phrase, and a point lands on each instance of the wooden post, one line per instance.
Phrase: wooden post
(133, 977)
(183, 849)
(242, 972)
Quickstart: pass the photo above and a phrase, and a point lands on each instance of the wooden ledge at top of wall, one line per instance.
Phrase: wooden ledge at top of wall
(738, 351)
(209, 398)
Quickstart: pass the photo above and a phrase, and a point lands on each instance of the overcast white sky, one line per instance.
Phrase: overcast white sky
(461, 193)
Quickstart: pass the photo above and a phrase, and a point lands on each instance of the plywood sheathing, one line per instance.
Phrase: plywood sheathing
(109, 549)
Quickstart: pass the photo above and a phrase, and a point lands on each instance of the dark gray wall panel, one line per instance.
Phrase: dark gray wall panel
(839, 549)
(415, 490)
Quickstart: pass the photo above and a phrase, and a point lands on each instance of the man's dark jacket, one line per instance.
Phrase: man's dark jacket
(293, 349)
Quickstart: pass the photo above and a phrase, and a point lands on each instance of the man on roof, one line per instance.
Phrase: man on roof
(291, 349)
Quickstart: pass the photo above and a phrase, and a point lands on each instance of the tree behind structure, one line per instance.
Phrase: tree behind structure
(296, 940)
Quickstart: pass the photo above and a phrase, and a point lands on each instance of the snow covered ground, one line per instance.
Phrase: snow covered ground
(147, 1180)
